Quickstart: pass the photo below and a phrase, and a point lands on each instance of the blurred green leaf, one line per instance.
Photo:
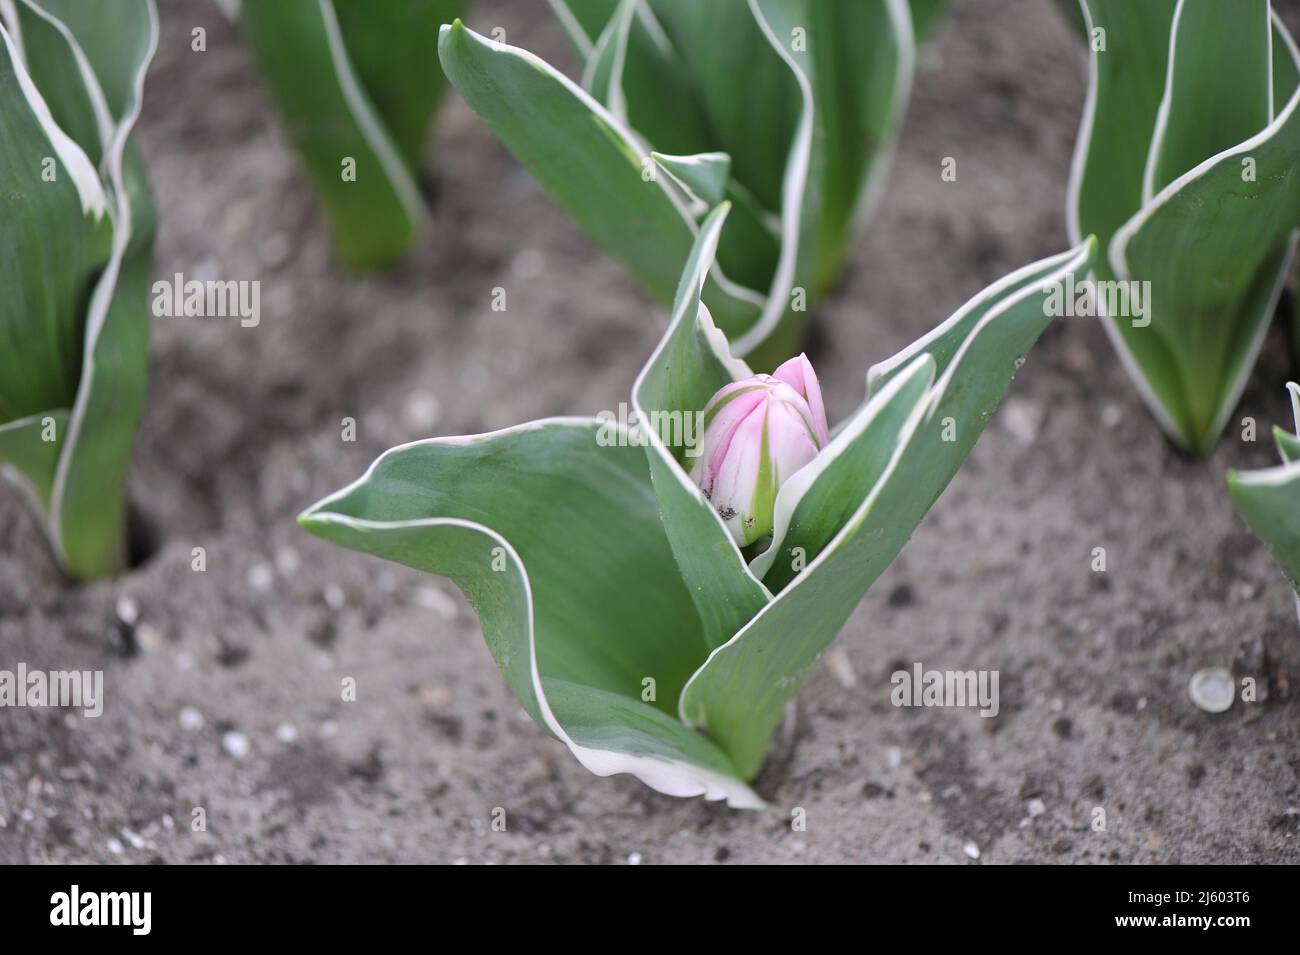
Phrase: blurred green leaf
(355, 162)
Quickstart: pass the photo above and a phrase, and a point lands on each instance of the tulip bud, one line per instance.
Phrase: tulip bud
(758, 432)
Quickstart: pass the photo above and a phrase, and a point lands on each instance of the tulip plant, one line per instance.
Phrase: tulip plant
(75, 254)
(357, 83)
(1269, 500)
(1186, 170)
(787, 109)
(658, 627)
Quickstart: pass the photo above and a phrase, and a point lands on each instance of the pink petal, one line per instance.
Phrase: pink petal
(720, 430)
(798, 373)
(790, 444)
(733, 489)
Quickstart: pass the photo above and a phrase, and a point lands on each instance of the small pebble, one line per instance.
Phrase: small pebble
(422, 411)
(432, 598)
(1035, 807)
(841, 667)
(1112, 415)
(1022, 419)
(185, 660)
(528, 264)
(634, 858)
(115, 847)
(894, 756)
(128, 611)
(329, 729)
(287, 561)
(1212, 689)
(334, 597)
(148, 637)
(261, 577)
(191, 719)
(972, 851)
(235, 744)
(286, 733)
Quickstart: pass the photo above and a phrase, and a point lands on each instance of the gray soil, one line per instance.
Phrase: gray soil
(243, 430)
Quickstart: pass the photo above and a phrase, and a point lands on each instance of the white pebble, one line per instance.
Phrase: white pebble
(528, 264)
(634, 858)
(422, 411)
(191, 719)
(286, 733)
(1212, 689)
(432, 598)
(287, 561)
(261, 577)
(1022, 419)
(115, 847)
(1035, 808)
(841, 667)
(128, 611)
(235, 744)
(972, 851)
(148, 637)
(334, 596)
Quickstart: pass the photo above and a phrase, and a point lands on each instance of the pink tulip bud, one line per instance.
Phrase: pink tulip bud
(758, 432)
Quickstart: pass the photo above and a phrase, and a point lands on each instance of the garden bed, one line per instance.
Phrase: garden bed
(225, 694)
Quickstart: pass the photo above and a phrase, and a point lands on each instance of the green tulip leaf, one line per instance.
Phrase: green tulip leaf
(690, 365)
(393, 49)
(588, 163)
(555, 539)
(360, 168)
(704, 176)
(1219, 88)
(802, 171)
(1268, 501)
(30, 458)
(1185, 171)
(739, 694)
(75, 313)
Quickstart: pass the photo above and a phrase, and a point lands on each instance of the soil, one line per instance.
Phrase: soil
(225, 694)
